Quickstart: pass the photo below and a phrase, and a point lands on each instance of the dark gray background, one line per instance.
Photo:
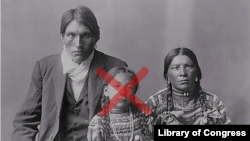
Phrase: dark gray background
(140, 32)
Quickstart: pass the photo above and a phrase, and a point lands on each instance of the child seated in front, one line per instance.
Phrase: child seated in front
(125, 122)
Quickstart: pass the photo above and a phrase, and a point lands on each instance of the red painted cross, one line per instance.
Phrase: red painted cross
(124, 91)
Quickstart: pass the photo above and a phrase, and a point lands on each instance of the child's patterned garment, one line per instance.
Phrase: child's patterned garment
(129, 124)
(205, 110)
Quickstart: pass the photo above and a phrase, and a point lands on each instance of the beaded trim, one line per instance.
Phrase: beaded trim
(131, 125)
(182, 93)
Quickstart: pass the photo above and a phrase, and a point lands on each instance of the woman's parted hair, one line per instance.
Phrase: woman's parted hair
(187, 52)
(111, 74)
(181, 51)
(83, 15)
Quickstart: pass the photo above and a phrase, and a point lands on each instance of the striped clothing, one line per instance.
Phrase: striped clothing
(206, 110)
(100, 127)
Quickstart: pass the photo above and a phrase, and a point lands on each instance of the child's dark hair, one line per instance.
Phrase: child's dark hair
(112, 72)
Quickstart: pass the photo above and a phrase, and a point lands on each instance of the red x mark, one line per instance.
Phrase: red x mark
(124, 91)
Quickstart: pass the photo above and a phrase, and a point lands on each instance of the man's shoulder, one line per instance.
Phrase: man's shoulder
(50, 59)
(109, 60)
(107, 57)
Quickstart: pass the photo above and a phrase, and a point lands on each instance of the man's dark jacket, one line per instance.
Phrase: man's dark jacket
(43, 102)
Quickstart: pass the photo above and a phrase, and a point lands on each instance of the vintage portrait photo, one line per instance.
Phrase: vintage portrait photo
(110, 70)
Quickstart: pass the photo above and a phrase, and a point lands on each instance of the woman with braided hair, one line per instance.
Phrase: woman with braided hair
(184, 101)
(125, 122)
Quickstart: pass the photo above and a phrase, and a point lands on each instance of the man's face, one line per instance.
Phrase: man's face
(79, 41)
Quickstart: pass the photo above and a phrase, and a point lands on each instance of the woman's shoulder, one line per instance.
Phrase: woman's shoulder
(215, 106)
(157, 97)
(210, 99)
(159, 93)
(207, 95)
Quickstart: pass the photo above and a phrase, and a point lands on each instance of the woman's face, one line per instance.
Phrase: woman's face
(113, 89)
(182, 73)
(79, 41)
